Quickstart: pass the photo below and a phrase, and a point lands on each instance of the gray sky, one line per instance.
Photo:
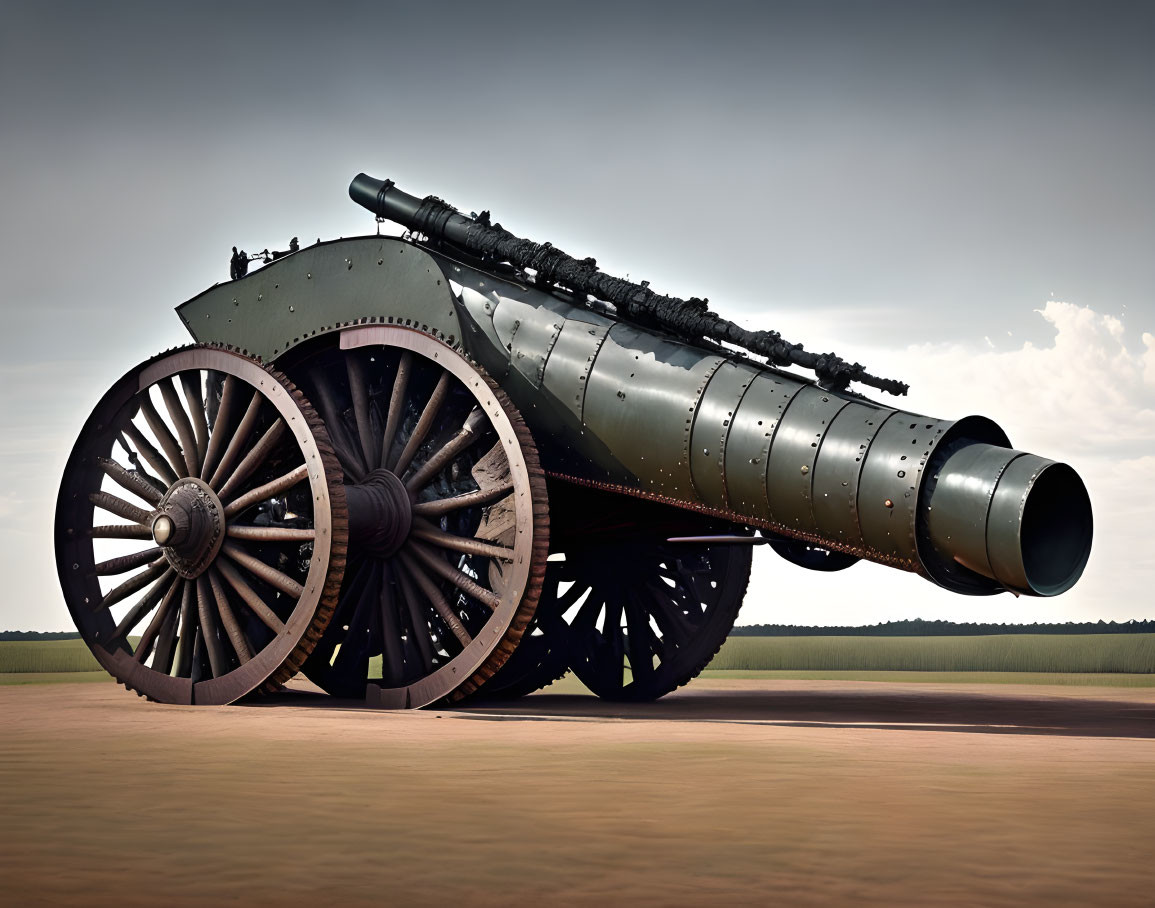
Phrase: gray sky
(904, 183)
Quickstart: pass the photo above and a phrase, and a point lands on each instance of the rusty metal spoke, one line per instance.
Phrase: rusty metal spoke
(462, 581)
(347, 453)
(260, 452)
(396, 403)
(127, 562)
(269, 490)
(270, 534)
(173, 455)
(424, 530)
(418, 623)
(188, 631)
(359, 391)
(160, 619)
(191, 383)
(219, 433)
(130, 586)
(146, 604)
(121, 531)
(129, 481)
(436, 599)
(228, 619)
(162, 660)
(238, 441)
(106, 501)
(265, 572)
(184, 428)
(424, 424)
(466, 500)
(475, 423)
(218, 661)
(250, 596)
(392, 656)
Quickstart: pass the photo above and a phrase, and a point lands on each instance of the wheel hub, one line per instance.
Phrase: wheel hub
(189, 526)
(380, 513)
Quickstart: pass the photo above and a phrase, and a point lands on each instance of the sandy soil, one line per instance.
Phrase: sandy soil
(735, 791)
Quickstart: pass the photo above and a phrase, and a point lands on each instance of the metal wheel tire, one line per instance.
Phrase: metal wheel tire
(448, 511)
(218, 570)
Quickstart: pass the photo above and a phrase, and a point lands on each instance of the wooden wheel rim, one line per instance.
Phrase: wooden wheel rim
(469, 667)
(280, 656)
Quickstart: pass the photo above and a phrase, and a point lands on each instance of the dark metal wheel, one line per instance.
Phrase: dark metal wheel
(234, 528)
(448, 516)
(633, 615)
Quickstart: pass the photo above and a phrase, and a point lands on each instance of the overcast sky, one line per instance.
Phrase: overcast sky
(961, 195)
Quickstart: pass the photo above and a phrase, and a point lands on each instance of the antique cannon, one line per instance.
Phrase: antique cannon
(460, 463)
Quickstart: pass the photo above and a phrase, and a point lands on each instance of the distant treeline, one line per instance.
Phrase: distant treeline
(39, 635)
(917, 627)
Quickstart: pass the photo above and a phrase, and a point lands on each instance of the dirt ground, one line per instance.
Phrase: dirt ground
(728, 791)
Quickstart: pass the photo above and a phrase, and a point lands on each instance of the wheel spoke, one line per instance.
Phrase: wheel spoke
(265, 572)
(268, 490)
(475, 423)
(360, 394)
(424, 530)
(271, 534)
(433, 594)
(466, 500)
(127, 562)
(424, 424)
(191, 383)
(238, 441)
(129, 481)
(228, 619)
(260, 452)
(130, 586)
(391, 652)
(396, 401)
(121, 531)
(159, 620)
(462, 581)
(108, 502)
(249, 596)
(347, 454)
(164, 437)
(146, 604)
(638, 635)
(162, 660)
(188, 631)
(417, 622)
(184, 429)
(218, 662)
(149, 452)
(220, 426)
(353, 657)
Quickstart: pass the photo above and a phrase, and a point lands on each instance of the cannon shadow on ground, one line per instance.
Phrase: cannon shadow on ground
(887, 708)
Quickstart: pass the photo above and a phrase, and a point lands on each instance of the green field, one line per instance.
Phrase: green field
(1095, 653)
(20, 656)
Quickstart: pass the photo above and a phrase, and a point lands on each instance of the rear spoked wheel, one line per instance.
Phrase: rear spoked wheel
(201, 528)
(448, 514)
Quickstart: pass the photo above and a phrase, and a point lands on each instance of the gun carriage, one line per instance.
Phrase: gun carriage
(459, 463)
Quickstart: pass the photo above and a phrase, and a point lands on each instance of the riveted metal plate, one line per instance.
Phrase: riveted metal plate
(712, 422)
(888, 488)
(568, 367)
(796, 445)
(748, 446)
(643, 391)
(528, 333)
(839, 466)
(322, 287)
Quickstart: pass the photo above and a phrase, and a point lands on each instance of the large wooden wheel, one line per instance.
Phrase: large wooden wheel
(448, 514)
(201, 528)
(633, 615)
